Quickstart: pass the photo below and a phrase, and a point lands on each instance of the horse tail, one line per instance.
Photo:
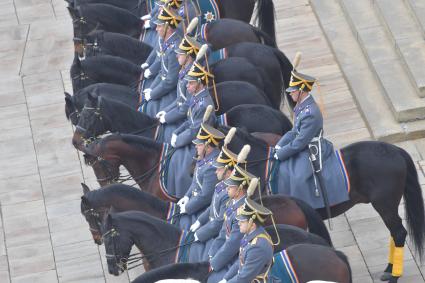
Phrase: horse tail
(344, 258)
(264, 37)
(414, 204)
(314, 221)
(285, 69)
(266, 18)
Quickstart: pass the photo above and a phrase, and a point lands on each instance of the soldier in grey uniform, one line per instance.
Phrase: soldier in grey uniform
(162, 91)
(175, 114)
(209, 223)
(199, 194)
(256, 247)
(224, 249)
(296, 176)
(197, 81)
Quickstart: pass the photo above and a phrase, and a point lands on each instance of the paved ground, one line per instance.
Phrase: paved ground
(43, 238)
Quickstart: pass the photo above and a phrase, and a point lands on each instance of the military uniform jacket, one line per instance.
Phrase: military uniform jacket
(202, 188)
(255, 258)
(166, 81)
(196, 108)
(225, 247)
(212, 219)
(177, 111)
(296, 177)
(187, 11)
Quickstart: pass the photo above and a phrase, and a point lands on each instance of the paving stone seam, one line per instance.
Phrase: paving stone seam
(4, 242)
(23, 54)
(41, 182)
(16, 12)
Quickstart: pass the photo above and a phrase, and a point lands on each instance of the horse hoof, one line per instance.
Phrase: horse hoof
(393, 279)
(386, 276)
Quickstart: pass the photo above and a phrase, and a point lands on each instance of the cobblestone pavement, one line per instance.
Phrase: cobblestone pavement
(43, 237)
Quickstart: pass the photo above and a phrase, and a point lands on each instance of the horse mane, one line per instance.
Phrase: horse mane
(98, 197)
(107, 65)
(125, 42)
(140, 142)
(246, 137)
(101, 12)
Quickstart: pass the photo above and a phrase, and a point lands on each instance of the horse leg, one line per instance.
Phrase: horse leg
(392, 220)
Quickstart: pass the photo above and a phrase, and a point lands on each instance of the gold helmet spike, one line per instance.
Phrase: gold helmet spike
(244, 153)
(297, 59)
(229, 136)
(192, 25)
(252, 186)
(207, 114)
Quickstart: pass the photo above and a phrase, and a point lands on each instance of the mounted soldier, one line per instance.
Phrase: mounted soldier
(174, 114)
(162, 91)
(256, 247)
(197, 79)
(224, 249)
(309, 169)
(209, 223)
(199, 194)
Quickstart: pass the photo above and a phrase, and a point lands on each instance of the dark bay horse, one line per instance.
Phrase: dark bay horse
(309, 262)
(104, 69)
(381, 174)
(159, 241)
(75, 103)
(95, 204)
(100, 42)
(89, 17)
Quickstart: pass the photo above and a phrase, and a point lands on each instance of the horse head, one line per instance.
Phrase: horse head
(118, 244)
(91, 124)
(91, 215)
(71, 111)
(79, 74)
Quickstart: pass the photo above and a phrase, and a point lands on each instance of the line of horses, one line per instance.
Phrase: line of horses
(112, 133)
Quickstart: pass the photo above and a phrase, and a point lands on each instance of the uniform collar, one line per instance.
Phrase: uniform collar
(210, 157)
(199, 93)
(249, 237)
(306, 101)
(220, 187)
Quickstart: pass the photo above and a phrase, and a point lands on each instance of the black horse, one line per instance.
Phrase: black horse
(101, 42)
(307, 260)
(104, 69)
(159, 241)
(101, 115)
(136, 7)
(89, 17)
(95, 204)
(75, 103)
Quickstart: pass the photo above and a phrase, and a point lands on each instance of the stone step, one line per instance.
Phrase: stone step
(365, 89)
(407, 38)
(402, 97)
(417, 8)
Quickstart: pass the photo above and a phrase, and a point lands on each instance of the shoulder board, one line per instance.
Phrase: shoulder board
(264, 236)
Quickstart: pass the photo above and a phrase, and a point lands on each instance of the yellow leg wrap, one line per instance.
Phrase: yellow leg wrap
(391, 253)
(398, 262)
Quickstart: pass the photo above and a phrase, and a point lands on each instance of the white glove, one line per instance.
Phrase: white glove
(222, 281)
(162, 119)
(277, 147)
(195, 226)
(147, 24)
(196, 238)
(159, 114)
(144, 65)
(183, 208)
(147, 93)
(173, 140)
(146, 17)
(147, 74)
(183, 200)
(275, 156)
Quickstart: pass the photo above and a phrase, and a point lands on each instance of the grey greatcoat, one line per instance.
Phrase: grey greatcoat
(224, 249)
(255, 258)
(164, 86)
(187, 131)
(211, 222)
(176, 112)
(295, 172)
(201, 190)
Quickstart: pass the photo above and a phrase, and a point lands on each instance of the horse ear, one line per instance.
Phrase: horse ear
(86, 189)
(92, 97)
(72, 12)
